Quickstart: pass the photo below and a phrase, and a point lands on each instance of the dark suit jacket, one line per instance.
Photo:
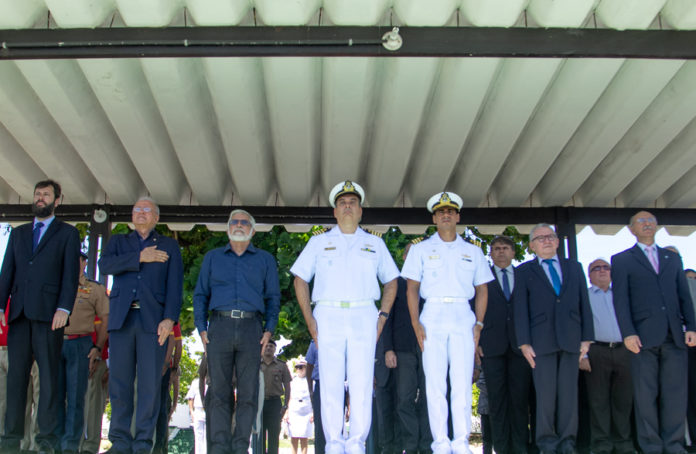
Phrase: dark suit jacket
(498, 325)
(647, 303)
(42, 281)
(158, 285)
(547, 322)
(398, 332)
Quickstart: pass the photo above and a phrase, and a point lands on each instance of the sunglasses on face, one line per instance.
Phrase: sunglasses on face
(242, 222)
(600, 268)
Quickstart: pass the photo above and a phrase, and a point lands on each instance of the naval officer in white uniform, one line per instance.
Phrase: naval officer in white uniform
(346, 263)
(447, 272)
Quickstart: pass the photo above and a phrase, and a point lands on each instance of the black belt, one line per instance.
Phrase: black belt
(234, 314)
(609, 344)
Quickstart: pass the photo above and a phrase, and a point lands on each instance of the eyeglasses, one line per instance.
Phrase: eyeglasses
(545, 238)
(142, 209)
(651, 220)
(242, 222)
(600, 268)
(299, 367)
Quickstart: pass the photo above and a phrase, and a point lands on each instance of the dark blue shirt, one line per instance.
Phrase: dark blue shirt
(228, 281)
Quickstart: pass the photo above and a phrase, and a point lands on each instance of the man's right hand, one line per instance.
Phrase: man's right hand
(633, 344)
(2, 322)
(529, 355)
(152, 254)
(390, 359)
(312, 327)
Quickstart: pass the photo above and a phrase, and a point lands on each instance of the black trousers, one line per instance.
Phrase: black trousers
(271, 424)
(319, 439)
(412, 406)
(162, 427)
(234, 350)
(659, 390)
(691, 406)
(487, 434)
(509, 381)
(28, 340)
(556, 383)
(387, 419)
(610, 396)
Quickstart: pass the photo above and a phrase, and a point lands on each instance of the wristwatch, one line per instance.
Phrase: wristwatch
(479, 323)
(384, 314)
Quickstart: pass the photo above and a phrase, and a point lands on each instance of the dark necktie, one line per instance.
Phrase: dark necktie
(37, 234)
(506, 283)
(555, 279)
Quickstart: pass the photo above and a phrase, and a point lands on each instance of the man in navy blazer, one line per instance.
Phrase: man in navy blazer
(656, 318)
(508, 375)
(553, 323)
(40, 273)
(145, 302)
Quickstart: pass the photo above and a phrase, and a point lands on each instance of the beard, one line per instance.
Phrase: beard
(43, 212)
(236, 237)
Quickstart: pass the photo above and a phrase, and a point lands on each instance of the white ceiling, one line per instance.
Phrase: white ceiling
(502, 132)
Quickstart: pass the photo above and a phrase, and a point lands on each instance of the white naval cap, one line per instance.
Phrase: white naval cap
(444, 199)
(346, 187)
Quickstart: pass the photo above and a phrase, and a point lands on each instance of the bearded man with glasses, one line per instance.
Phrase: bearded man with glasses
(553, 323)
(235, 307)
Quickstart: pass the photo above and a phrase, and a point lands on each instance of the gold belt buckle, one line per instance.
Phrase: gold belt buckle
(345, 304)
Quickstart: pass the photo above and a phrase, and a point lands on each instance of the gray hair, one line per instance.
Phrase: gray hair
(245, 213)
(151, 200)
(537, 227)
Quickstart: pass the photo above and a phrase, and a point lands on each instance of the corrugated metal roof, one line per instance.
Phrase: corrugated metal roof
(502, 132)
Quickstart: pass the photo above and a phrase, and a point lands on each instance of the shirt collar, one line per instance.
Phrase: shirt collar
(152, 234)
(595, 289)
(250, 248)
(497, 268)
(438, 239)
(643, 247)
(554, 258)
(46, 222)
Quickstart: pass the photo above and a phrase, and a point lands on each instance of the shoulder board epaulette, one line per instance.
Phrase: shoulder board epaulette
(372, 232)
(320, 231)
(475, 242)
(418, 240)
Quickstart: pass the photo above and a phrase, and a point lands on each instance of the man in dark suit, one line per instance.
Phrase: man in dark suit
(508, 375)
(653, 305)
(145, 302)
(404, 356)
(553, 323)
(40, 273)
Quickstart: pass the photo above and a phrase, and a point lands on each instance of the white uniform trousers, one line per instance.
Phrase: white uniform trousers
(198, 424)
(449, 341)
(347, 338)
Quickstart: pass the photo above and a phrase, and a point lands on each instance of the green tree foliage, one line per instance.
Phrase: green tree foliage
(189, 371)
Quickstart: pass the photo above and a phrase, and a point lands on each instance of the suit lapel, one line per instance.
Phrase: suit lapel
(53, 227)
(641, 258)
(542, 274)
(662, 259)
(496, 283)
(134, 240)
(28, 238)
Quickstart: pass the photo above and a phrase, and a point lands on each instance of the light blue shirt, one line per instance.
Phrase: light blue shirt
(46, 223)
(606, 327)
(556, 264)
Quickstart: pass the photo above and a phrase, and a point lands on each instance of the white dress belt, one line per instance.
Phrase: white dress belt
(446, 299)
(345, 304)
